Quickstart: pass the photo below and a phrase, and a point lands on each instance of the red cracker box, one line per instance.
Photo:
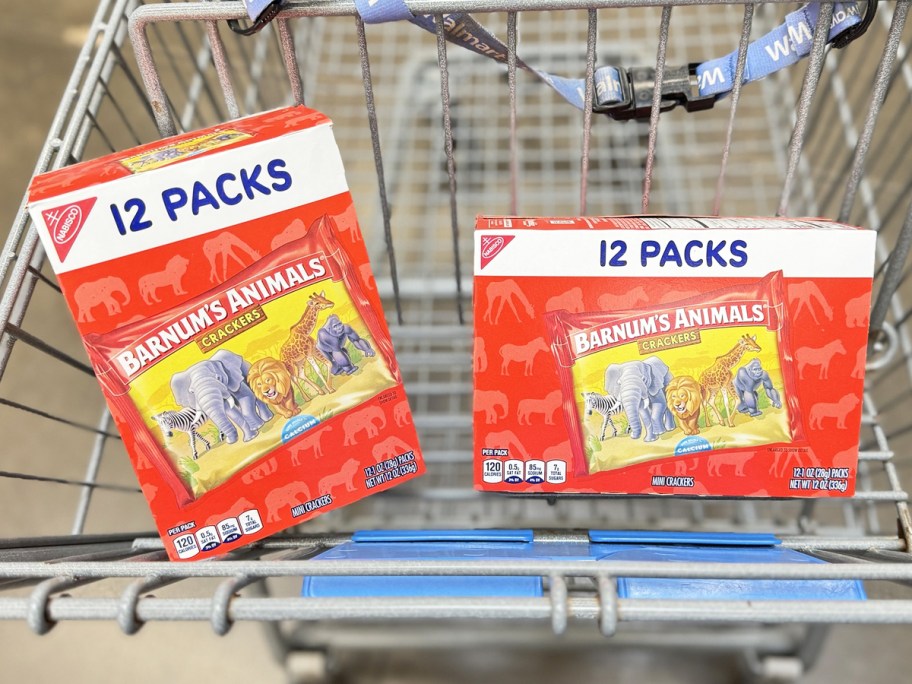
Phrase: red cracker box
(713, 357)
(223, 292)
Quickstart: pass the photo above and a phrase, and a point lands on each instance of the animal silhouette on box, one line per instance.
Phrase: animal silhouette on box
(504, 294)
(557, 451)
(389, 448)
(494, 403)
(480, 356)
(261, 471)
(809, 298)
(109, 292)
(226, 246)
(369, 420)
(286, 497)
(547, 407)
(818, 356)
(609, 302)
(521, 353)
(839, 410)
(571, 300)
(401, 414)
(232, 511)
(347, 222)
(311, 444)
(345, 477)
(857, 311)
(716, 460)
(293, 231)
(506, 439)
(784, 460)
(170, 276)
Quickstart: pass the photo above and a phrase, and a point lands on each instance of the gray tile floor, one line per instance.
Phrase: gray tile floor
(38, 43)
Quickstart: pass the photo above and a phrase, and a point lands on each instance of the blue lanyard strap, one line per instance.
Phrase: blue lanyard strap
(616, 89)
(781, 47)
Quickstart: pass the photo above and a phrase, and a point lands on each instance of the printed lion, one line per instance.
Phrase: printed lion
(271, 382)
(684, 400)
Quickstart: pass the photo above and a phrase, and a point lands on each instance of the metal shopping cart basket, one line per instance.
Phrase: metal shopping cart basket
(445, 135)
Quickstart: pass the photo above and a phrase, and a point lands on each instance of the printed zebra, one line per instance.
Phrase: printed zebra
(186, 420)
(607, 405)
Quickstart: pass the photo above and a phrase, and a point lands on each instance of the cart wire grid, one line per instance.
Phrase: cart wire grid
(431, 135)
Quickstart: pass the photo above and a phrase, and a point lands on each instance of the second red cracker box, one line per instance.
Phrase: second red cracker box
(223, 292)
(660, 355)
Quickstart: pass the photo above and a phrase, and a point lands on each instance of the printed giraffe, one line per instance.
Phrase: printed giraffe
(718, 379)
(300, 349)
(502, 294)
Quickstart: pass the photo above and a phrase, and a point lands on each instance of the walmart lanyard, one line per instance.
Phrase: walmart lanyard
(698, 86)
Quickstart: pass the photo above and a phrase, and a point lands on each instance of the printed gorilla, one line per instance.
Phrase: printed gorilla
(747, 382)
(331, 342)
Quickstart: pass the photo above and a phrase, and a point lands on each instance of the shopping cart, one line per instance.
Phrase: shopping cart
(453, 135)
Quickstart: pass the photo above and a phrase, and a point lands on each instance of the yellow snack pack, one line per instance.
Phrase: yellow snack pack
(710, 373)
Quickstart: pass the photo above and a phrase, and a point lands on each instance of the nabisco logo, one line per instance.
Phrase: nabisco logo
(492, 245)
(64, 223)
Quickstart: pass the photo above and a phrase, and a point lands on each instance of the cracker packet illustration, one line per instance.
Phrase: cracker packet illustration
(215, 384)
(706, 374)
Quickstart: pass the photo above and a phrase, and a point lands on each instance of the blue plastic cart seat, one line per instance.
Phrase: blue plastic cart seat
(440, 545)
(716, 548)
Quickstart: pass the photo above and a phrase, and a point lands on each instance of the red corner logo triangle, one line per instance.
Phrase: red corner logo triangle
(64, 223)
(492, 245)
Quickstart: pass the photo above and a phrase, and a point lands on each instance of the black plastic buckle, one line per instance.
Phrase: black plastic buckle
(265, 17)
(680, 88)
(859, 29)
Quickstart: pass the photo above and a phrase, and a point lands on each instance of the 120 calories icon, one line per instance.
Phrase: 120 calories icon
(514, 471)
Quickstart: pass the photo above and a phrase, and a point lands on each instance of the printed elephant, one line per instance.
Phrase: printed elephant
(103, 291)
(218, 387)
(640, 386)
